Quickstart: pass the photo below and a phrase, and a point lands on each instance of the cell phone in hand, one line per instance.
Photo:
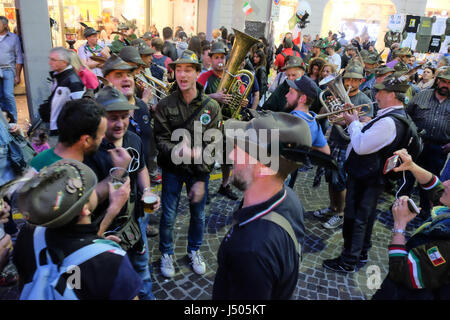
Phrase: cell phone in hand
(412, 207)
(391, 163)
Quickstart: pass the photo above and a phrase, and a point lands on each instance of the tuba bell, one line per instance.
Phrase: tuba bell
(231, 82)
(339, 97)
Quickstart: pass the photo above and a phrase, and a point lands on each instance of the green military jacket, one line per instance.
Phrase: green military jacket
(423, 263)
(173, 113)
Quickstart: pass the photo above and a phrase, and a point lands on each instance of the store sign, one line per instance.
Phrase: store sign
(275, 15)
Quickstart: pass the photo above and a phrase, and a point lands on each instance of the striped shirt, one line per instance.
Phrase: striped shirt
(431, 115)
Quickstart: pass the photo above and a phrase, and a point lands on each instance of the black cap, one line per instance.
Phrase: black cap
(306, 85)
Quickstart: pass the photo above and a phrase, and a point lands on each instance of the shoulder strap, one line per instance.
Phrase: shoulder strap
(88, 252)
(39, 243)
(285, 224)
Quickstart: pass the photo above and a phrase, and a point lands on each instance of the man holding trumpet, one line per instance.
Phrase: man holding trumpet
(370, 145)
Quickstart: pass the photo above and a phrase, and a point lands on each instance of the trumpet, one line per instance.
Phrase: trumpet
(339, 97)
(144, 81)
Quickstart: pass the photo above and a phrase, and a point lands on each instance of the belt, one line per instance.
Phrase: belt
(54, 132)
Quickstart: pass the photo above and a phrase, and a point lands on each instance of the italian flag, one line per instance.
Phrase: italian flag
(247, 8)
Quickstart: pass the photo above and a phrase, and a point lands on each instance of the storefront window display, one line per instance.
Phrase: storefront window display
(104, 15)
(358, 18)
(8, 10)
(438, 8)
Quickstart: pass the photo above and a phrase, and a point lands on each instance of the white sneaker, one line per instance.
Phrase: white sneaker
(322, 212)
(167, 268)
(334, 222)
(197, 262)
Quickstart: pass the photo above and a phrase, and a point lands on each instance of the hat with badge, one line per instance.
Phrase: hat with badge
(382, 70)
(292, 146)
(354, 71)
(131, 54)
(55, 197)
(293, 62)
(88, 31)
(393, 83)
(123, 26)
(318, 43)
(147, 36)
(404, 52)
(217, 47)
(444, 74)
(401, 66)
(142, 46)
(187, 57)
(371, 58)
(113, 100)
(115, 63)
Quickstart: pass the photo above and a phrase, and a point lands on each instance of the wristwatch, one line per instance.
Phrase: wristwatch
(401, 231)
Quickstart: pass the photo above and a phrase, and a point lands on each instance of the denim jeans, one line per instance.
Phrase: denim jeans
(6, 171)
(7, 99)
(140, 262)
(170, 198)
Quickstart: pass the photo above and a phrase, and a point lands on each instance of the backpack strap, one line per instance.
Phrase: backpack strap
(39, 244)
(286, 225)
(88, 252)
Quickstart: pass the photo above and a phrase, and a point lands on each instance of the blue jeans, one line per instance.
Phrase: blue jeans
(7, 99)
(170, 198)
(140, 262)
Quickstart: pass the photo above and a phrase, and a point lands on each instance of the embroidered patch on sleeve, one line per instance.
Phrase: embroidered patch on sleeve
(435, 256)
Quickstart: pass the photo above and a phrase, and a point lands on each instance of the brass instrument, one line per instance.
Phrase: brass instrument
(143, 80)
(339, 97)
(230, 82)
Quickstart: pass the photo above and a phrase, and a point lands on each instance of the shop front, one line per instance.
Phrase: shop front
(105, 15)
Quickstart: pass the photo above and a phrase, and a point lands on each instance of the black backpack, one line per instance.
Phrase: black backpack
(412, 139)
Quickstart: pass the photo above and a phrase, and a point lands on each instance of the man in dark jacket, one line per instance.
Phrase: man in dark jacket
(66, 85)
(186, 108)
(169, 49)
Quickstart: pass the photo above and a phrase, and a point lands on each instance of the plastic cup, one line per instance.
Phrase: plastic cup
(149, 203)
(118, 176)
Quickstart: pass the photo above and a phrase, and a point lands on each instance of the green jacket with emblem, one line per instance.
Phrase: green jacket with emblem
(173, 113)
(423, 263)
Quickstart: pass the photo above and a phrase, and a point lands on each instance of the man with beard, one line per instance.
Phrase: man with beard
(120, 142)
(301, 95)
(259, 257)
(82, 126)
(430, 111)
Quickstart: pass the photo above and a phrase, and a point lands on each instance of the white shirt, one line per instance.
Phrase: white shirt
(85, 54)
(335, 59)
(396, 22)
(380, 135)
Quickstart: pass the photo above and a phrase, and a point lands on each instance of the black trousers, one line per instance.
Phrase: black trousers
(359, 217)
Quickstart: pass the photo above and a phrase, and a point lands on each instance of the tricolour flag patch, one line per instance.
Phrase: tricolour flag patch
(435, 256)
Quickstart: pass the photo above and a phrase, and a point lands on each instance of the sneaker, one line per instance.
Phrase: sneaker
(322, 212)
(334, 222)
(338, 265)
(167, 268)
(197, 262)
(152, 231)
(156, 179)
(363, 259)
(227, 192)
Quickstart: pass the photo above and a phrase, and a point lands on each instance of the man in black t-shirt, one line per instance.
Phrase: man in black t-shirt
(119, 140)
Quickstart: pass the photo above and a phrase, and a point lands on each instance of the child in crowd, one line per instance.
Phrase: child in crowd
(39, 141)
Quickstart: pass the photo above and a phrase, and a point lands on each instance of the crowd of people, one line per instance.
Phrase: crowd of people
(105, 136)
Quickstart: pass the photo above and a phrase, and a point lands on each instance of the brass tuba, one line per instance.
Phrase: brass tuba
(230, 82)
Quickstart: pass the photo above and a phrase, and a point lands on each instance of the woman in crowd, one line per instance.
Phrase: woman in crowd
(314, 68)
(195, 46)
(259, 63)
(327, 69)
(427, 80)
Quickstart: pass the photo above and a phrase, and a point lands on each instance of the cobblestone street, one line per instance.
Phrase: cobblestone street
(315, 282)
